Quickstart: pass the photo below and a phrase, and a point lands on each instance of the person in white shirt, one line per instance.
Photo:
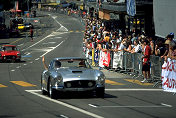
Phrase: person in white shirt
(137, 47)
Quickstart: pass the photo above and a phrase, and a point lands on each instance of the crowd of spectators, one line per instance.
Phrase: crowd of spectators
(98, 36)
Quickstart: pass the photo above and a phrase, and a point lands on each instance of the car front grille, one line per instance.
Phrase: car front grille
(80, 84)
(9, 57)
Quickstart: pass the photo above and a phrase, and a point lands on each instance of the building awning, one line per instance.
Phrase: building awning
(53, 4)
(13, 10)
(114, 8)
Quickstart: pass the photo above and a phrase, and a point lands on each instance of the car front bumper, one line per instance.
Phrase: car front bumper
(64, 89)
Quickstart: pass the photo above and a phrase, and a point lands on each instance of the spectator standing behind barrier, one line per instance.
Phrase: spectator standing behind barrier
(152, 45)
(159, 48)
(146, 61)
(137, 47)
(172, 46)
(168, 42)
(172, 55)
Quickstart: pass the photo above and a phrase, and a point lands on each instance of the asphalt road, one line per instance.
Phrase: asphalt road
(20, 82)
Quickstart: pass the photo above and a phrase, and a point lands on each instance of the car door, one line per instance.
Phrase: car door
(47, 75)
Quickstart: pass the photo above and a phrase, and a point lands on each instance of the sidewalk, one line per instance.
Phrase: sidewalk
(112, 74)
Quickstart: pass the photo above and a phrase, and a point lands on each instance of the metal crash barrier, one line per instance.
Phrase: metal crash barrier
(130, 63)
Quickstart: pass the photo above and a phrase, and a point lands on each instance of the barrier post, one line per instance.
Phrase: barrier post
(93, 54)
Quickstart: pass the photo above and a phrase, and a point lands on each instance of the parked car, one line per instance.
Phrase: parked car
(71, 74)
(21, 26)
(27, 26)
(9, 52)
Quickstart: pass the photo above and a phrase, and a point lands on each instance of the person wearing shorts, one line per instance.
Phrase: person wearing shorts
(146, 61)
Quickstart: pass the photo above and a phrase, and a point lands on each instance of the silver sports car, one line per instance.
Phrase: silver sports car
(71, 74)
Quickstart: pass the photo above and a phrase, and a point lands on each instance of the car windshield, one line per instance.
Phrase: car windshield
(74, 63)
(8, 48)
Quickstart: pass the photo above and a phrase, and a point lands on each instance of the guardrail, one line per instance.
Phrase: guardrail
(130, 63)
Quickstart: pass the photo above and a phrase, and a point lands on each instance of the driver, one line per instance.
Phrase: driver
(57, 64)
(82, 64)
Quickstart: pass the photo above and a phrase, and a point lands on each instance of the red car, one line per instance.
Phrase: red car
(9, 52)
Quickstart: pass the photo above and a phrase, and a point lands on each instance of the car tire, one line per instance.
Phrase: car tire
(18, 60)
(100, 93)
(13, 61)
(51, 91)
(42, 89)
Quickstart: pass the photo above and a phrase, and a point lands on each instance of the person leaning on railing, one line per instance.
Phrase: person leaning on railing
(160, 48)
(172, 51)
(170, 47)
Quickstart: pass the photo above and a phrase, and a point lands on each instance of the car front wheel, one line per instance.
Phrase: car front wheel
(44, 92)
(52, 92)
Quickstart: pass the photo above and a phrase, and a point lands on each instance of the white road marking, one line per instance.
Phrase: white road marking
(62, 27)
(37, 59)
(12, 70)
(167, 105)
(43, 49)
(64, 116)
(92, 105)
(64, 104)
(134, 89)
(18, 66)
(21, 44)
(49, 43)
(27, 53)
(142, 106)
(52, 49)
(40, 41)
(24, 64)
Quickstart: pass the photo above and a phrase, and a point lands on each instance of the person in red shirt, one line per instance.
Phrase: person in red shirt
(31, 33)
(146, 61)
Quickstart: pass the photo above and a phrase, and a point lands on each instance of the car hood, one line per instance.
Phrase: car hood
(10, 52)
(70, 74)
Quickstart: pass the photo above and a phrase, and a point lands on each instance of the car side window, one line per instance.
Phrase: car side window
(50, 65)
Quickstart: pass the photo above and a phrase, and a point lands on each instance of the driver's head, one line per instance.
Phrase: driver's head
(82, 64)
(57, 64)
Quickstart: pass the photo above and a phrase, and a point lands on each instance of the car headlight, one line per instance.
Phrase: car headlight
(18, 54)
(101, 79)
(58, 80)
